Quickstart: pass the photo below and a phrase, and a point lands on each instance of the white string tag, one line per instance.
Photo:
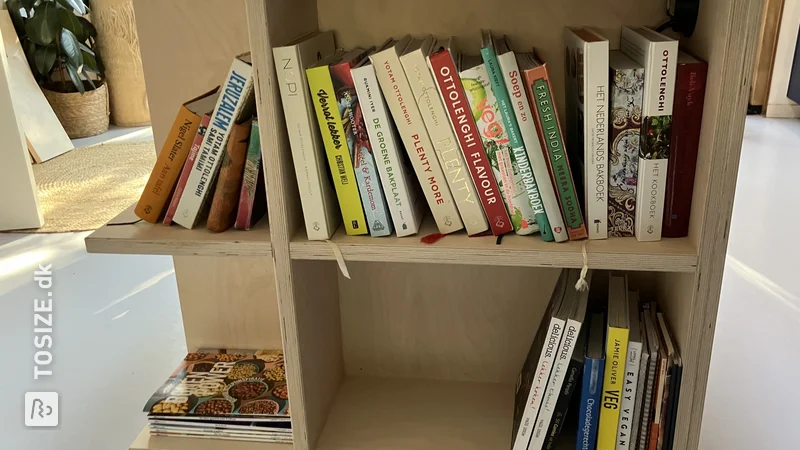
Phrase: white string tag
(337, 253)
(582, 285)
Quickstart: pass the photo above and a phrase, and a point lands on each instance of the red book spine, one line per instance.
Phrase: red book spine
(687, 116)
(446, 75)
(187, 169)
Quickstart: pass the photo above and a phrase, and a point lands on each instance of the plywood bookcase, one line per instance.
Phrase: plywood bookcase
(421, 347)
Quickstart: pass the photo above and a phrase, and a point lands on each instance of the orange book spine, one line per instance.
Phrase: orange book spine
(226, 195)
(168, 167)
(187, 169)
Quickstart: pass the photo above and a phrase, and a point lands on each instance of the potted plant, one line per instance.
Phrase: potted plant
(59, 43)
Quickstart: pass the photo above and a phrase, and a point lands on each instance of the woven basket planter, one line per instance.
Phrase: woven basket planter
(82, 115)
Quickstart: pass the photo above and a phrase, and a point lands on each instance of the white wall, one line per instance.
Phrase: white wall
(778, 104)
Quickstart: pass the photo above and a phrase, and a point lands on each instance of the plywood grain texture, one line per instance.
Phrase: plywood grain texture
(187, 47)
(228, 302)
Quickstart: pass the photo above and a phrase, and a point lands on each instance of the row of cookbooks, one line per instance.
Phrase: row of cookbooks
(221, 394)
(210, 167)
(603, 368)
(484, 139)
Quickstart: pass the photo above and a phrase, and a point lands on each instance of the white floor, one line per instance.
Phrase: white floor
(118, 329)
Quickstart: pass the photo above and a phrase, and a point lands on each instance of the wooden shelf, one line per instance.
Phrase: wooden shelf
(378, 413)
(126, 234)
(146, 442)
(668, 255)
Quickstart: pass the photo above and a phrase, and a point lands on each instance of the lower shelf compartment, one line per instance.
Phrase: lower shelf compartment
(402, 414)
(146, 442)
(378, 413)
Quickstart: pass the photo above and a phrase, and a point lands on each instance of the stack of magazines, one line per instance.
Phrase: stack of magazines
(221, 395)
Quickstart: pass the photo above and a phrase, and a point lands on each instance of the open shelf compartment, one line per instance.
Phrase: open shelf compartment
(426, 356)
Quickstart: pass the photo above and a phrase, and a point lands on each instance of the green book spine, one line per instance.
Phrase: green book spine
(559, 165)
(523, 171)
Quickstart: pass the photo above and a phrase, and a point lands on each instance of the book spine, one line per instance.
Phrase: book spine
(187, 169)
(485, 110)
(596, 141)
(659, 88)
(250, 180)
(235, 93)
(647, 405)
(444, 141)
(520, 164)
(658, 398)
(554, 385)
(664, 406)
(616, 351)
(222, 214)
(571, 381)
(669, 439)
(316, 196)
(537, 85)
(339, 158)
(168, 167)
(687, 118)
(623, 157)
(408, 119)
(628, 404)
(401, 197)
(471, 145)
(372, 198)
(639, 398)
(589, 411)
(536, 394)
(527, 128)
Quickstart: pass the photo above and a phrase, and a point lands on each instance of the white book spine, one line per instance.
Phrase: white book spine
(596, 138)
(411, 128)
(638, 401)
(659, 59)
(536, 395)
(628, 403)
(236, 91)
(554, 385)
(530, 137)
(401, 197)
(444, 141)
(320, 211)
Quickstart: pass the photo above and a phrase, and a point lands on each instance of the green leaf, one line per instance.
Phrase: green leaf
(43, 27)
(70, 21)
(89, 28)
(14, 7)
(90, 61)
(76, 5)
(86, 48)
(44, 58)
(76, 79)
(72, 51)
(88, 78)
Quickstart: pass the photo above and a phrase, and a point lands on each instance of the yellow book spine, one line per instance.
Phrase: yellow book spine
(613, 381)
(330, 125)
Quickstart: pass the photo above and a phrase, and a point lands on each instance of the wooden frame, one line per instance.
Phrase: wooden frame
(445, 325)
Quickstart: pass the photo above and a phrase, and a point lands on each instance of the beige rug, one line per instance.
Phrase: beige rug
(87, 187)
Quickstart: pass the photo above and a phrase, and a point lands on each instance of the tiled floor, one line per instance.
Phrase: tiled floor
(118, 330)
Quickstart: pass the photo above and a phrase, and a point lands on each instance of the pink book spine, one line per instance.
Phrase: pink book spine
(186, 171)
